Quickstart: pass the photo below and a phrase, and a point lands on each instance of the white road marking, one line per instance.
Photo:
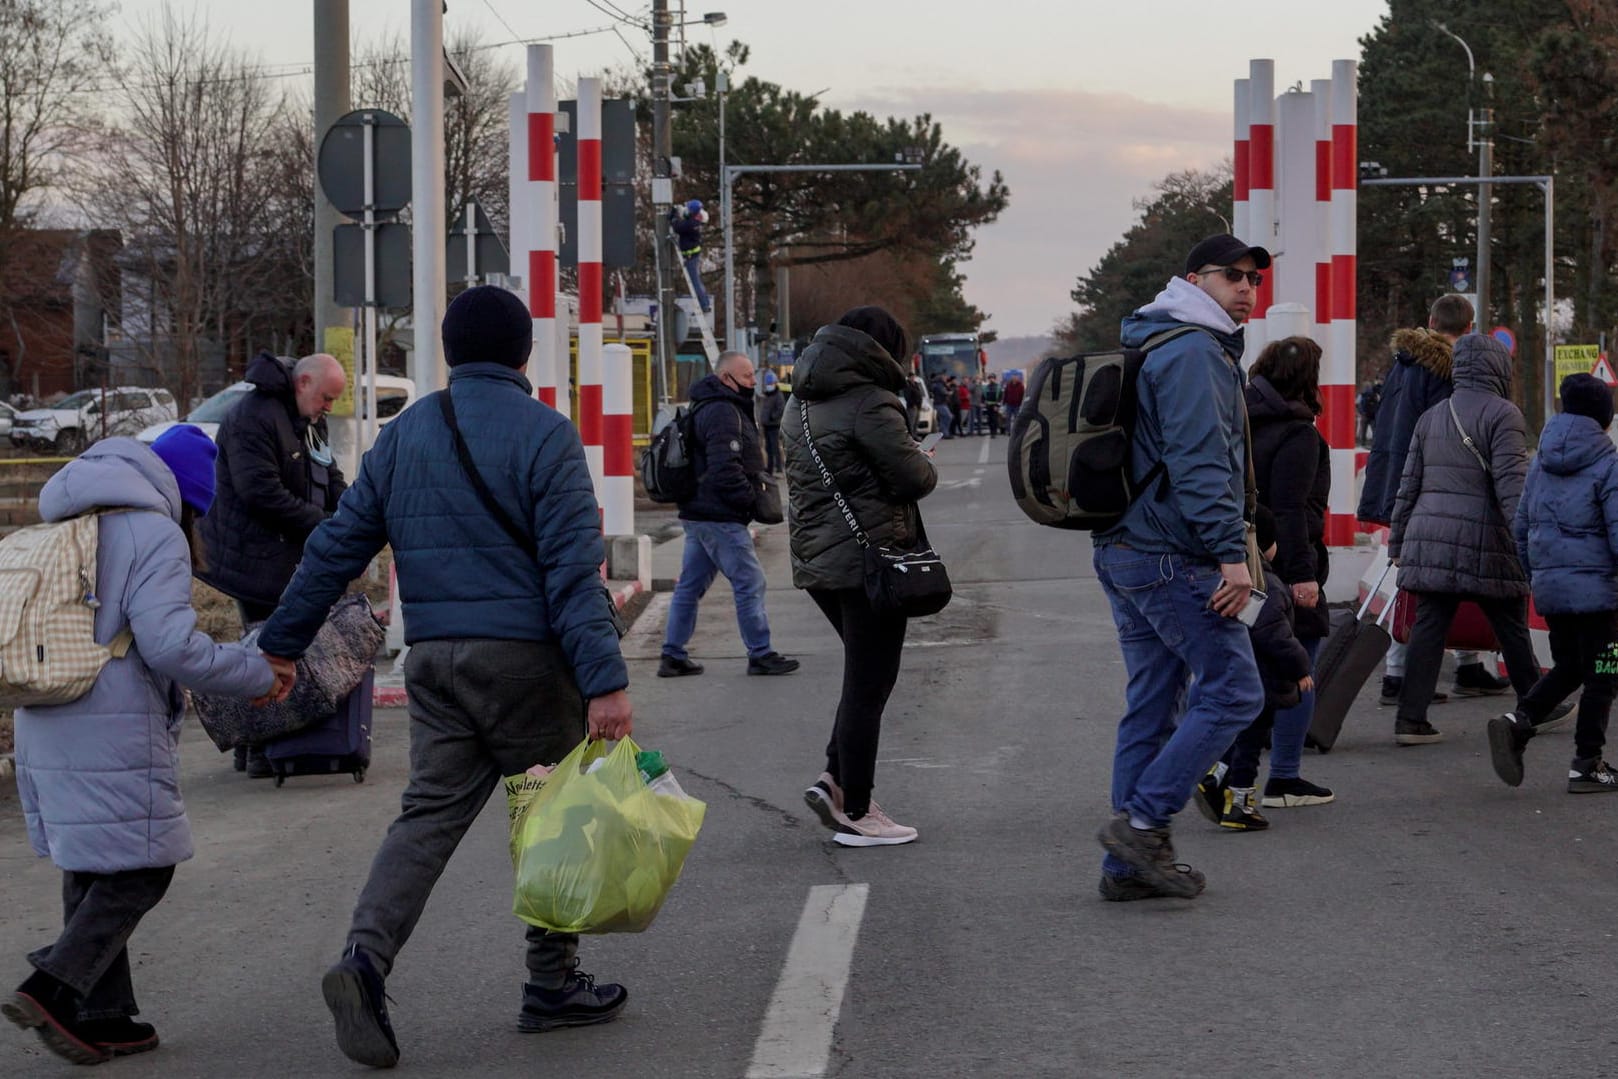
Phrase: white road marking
(645, 638)
(795, 1041)
(955, 485)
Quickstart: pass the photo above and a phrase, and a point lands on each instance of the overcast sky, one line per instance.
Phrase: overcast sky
(1080, 104)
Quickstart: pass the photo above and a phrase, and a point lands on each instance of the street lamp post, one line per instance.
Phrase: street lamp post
(1478, 136)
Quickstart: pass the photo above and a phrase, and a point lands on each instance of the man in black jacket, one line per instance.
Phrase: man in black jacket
(729, 463)
(275, 481)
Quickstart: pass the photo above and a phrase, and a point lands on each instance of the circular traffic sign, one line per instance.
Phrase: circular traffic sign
(1505, 337)
(340, 164)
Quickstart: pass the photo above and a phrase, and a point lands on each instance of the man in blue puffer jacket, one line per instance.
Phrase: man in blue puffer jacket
(1566, 528)
(513, 652)
(1175, 567)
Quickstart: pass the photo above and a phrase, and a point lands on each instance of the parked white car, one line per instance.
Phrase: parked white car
(79, 419)
(8, 415)
(393, 396)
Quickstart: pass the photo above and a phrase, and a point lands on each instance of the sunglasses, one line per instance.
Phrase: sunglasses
(1234, 276)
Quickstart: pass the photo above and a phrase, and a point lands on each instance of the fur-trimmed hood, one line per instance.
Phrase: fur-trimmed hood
(1423, 347)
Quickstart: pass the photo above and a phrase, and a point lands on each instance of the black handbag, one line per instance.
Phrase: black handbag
(767, 500)
(912, 582)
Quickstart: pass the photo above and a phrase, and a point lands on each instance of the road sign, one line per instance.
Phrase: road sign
(1505, 337)
(392, 265)
(1603, 371)
(488, 251)
(341, 162)
(1576, 360)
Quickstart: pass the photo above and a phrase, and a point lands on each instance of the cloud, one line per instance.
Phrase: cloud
(1074, 161)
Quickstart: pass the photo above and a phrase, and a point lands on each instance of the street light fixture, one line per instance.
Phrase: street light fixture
(1478, 121)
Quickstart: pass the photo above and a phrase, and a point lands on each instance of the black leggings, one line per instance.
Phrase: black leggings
(1581, 655)
(872, 646)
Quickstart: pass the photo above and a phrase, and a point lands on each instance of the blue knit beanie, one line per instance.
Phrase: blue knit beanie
(190, 454)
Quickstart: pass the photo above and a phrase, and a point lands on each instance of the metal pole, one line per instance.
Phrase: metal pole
(1550, 298)
(427, 189)
(366, 379)
(331, 102)
(726, 175)
(1485, 201)
(471, 244)
(662, 151)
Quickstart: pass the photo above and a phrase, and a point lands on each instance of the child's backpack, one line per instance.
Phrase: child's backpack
(1071, 441)
(668, 468)
(48, 651)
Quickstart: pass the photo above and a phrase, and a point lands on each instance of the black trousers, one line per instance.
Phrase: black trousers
(872, 646)
(1425, 650)
(251, 612)
(99, 912)
(1581, 655)
(772, 448)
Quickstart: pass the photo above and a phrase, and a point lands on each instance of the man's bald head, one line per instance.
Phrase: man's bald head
(317, 381)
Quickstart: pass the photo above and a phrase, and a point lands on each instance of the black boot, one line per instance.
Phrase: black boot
(44, 1004)
(120, 1037)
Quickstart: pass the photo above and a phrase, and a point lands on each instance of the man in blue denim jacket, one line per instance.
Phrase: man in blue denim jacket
(1175, 568)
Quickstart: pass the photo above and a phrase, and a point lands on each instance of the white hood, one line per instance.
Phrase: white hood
(1182, 301)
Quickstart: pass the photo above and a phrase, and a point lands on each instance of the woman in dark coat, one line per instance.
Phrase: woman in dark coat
(1292, 464)
(846, 386)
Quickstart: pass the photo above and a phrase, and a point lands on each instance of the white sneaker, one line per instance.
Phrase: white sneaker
(875, 829)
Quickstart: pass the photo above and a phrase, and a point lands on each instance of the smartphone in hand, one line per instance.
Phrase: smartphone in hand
(1255, 604)
(930, 443)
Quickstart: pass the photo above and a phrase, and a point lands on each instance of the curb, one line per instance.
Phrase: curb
(394, 696)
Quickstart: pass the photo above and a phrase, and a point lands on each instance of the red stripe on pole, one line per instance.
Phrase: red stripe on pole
(542, 295)
(1261, 167)
(590, 170)
(1339, 530)
(1336, 420)
(547, 394)
(618, 435)
(541, 146)
(589, 292)
(1345, 169)
(1322, 292)
(1344, 299)
(590, 413)
(1244, 158)
(1322, 170)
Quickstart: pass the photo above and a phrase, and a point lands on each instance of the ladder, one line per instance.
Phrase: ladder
(709, 344)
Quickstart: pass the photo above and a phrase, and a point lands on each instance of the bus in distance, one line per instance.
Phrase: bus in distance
(957, 354)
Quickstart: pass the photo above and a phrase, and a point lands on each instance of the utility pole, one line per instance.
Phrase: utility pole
(331, 101)
(1485, 200)
(662, 179)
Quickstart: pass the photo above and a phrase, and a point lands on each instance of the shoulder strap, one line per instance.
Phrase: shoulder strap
(520, 537)
(1466, 439)
(831, 485)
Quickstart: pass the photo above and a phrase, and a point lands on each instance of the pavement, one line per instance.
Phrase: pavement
(1432, 922)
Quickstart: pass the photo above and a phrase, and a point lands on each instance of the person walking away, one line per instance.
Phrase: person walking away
(99, 777)
(965, 418)
(1292, 465)
(277, 480)
(772, 405)
(943, 407)
(993, 396)
(913, 398)
(1566, 531)
(514, 654)
(728, 463)
(1175, 568)
(1014, 393)
(686, 222)
(847, 386)
(1419, 379)
(979, 425)
(1226, 795)
(1451, 531)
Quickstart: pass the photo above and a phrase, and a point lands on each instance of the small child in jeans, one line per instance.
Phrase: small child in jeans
(1226, 795)
(1567, 538)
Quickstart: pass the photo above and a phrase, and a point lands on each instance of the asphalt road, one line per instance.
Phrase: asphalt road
(1432, 922)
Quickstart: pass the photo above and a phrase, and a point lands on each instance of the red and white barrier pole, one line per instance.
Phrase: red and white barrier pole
(1340, 346)
(1321, 89)
(1260, 187)
(1299, 237)
(1243, 161)
(517, 189)
(618, 437)
(540, 217)
(588, 138)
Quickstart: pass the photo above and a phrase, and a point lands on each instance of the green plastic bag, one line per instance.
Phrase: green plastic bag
(597, 852)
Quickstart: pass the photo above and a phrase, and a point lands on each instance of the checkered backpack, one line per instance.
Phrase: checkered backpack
(48, 651)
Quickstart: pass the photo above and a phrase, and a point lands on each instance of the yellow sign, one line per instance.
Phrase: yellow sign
(340, 343)
(1575, 360)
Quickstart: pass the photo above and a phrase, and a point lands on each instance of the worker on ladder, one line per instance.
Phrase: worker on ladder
(687, 222)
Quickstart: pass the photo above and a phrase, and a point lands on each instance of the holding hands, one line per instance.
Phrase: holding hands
(286, 674)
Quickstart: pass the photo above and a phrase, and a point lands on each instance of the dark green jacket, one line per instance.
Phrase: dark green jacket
(851, 387)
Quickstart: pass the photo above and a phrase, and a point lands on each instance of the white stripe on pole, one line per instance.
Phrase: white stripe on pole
(427, 192)
(517, 191)
(540, 272)
(590, 279)
(1239, 216)
(1296, 240)
(618, 440)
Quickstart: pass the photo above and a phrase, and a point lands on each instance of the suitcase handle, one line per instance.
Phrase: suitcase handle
(1366, 606)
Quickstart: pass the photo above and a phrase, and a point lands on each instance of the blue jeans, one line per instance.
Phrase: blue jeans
(1292, 726)
(945, 420)
(693, 266)
(713, 547)
(1172, 732)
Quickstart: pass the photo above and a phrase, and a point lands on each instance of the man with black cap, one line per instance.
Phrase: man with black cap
(513, 641)
(1175, 568)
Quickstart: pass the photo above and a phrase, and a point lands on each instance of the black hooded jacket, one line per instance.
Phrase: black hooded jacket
(1419, 379)
(728, 457)
(1292, 464)
(270, 494)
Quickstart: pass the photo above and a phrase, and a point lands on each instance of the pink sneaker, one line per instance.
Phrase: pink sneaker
(875, 829)
(825, 797)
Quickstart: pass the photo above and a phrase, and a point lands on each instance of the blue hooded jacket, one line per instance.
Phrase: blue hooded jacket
(1190, 418)
(1566, 526)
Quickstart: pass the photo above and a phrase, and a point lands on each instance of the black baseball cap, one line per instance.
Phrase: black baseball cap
(1222, 250)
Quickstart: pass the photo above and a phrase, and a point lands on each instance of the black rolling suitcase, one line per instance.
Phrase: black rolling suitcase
(339, 743)
(1351, 653)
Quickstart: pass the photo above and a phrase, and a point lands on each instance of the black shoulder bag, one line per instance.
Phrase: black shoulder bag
(913, 582)
(520, 536)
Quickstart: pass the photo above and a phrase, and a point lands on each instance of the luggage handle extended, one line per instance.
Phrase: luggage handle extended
(1366, 606)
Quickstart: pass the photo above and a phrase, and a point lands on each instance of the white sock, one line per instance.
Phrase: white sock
(1241, 796)
(1219, 770)
(1138, 824)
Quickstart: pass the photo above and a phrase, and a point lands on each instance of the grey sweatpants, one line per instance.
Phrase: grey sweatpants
(479, 710)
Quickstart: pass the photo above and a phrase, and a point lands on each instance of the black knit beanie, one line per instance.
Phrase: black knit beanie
(1587, 395)
(487, 324)
(881, 327)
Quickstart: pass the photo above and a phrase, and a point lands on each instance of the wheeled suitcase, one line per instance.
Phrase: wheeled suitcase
(1349, 656)
(339, 743)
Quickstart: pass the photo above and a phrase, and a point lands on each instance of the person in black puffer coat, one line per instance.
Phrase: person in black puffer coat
(729, 466)
(847, 384)
(1451, 535)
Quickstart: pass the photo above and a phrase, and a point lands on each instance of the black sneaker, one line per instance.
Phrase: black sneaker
(1240, 814)
(46, 1005)
(1415, 732)
(1508, 735)
(1287, 793)
(773, 663)
(1557, 719)
(1125, 889)
(354, 992)
(120, 1037)
(1209, 797)
(1149, 852)
(1474, 680)
(579, 1003)
(669, 667)
(1590, 777)
(258, 764)
(1391, 688)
